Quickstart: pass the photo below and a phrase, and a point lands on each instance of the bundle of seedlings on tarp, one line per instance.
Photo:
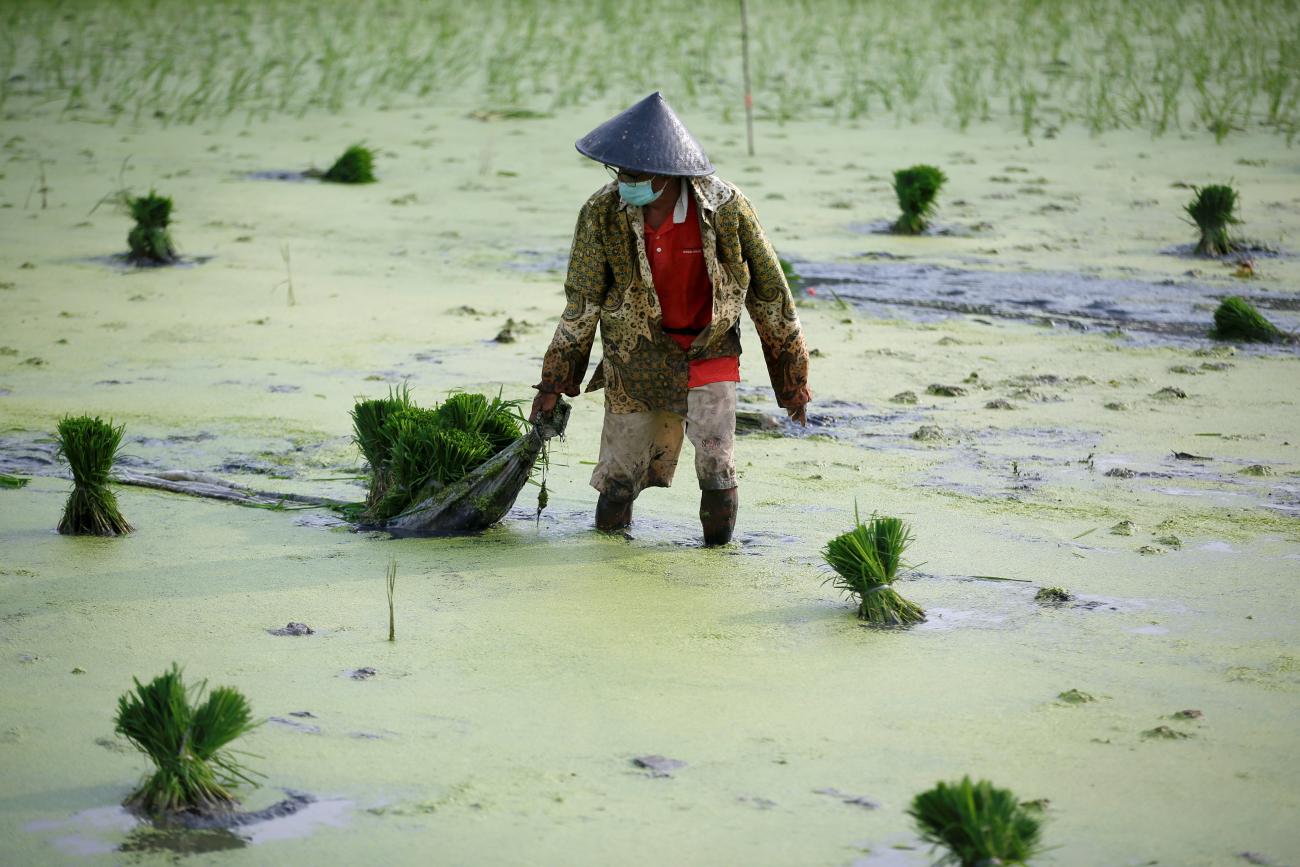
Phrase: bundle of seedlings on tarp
(916, 188)
(355, 166)
(1237, 319)
(484, 495)
(186, 740)
(867, 560)
(415, 452)
(979, 824)
(90, 446)
(150, 240)
(1213, 210)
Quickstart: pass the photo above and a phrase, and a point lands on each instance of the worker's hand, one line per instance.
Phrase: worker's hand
(542, 405)
(798, 413)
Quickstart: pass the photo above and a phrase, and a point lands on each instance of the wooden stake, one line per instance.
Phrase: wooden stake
(391, 581)
(744, 54)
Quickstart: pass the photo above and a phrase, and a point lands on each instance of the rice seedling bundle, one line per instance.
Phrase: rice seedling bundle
(866, 561)
(1237, 319)
(916, 189)
(186, 740)
(149, 239)
(414, 451)
(1213, 211)
(474, 412)
(355, 166)
(368, 432)
(90, 446)
(978, 823)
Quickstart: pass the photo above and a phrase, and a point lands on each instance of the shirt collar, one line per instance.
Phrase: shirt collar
(683, 202)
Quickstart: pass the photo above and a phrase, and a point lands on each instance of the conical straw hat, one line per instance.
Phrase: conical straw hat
(648, 137)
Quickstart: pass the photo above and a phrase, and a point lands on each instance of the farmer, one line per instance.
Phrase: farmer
(664, 258)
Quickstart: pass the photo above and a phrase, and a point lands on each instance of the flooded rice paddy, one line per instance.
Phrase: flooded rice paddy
(1034, 392)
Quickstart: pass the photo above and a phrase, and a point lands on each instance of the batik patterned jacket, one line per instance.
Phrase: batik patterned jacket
(609, 284)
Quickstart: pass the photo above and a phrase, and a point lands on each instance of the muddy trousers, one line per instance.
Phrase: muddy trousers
(640, 450)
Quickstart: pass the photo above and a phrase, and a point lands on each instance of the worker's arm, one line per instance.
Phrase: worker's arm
(566, 359)
(771, 306)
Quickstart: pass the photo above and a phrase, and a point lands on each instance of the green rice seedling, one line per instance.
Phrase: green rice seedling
(978, 823)
(186, 741)
(1237, 319)
(390, 582)
(426, 452)
(455, 454)
(370, 435)
(916, 189)
(149, 240)
(355, 166)
(866, 561)
(411, 448)
(90, 446)
(1053, 595)
(8, 481)
(1212, 210)
(496, 419)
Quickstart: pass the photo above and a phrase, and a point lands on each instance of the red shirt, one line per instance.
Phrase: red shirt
(681, 280)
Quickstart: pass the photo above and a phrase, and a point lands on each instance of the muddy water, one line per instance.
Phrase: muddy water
(1175, 310)
(534, 662)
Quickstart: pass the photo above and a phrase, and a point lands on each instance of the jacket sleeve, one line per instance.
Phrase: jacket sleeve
(771, 307)
(588, 279)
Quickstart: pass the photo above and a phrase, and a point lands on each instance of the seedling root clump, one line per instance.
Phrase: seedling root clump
(355, 166)
(1213, 211)
(977, 823)
(90, 446)
(186, 740)
(917, 188)
(1237, 319)
(866, 561)
(149, 240)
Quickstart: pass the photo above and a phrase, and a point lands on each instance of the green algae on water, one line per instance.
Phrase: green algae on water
(866, 561)
(1237, 319)
(149, 240)
(977, 823)
(355, 166)
(186, 740)
(1053, 595)
(916, 189)
(90, 446)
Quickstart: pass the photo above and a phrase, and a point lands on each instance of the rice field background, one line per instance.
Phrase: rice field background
(1165, 67)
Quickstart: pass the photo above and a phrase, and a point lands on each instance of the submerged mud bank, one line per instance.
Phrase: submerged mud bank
(1159, 312)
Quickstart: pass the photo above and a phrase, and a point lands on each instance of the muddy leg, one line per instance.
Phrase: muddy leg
(718, 515)
(612, 515)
